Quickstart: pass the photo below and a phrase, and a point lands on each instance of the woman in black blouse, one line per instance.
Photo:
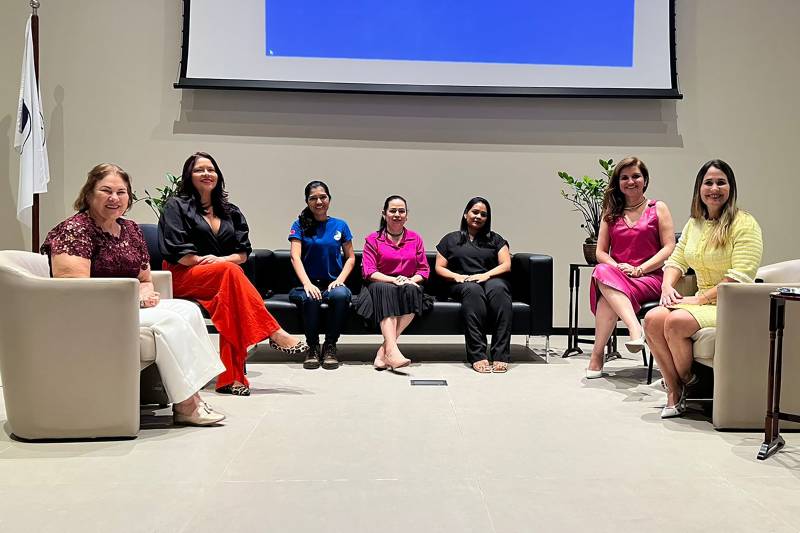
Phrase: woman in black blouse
(203, 239)
(475, 260)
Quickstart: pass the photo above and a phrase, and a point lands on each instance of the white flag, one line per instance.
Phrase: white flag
(29, 139)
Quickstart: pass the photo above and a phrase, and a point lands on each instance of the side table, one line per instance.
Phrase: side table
(777, 314)
(573, 340)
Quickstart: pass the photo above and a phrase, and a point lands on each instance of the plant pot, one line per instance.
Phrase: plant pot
(589, 252)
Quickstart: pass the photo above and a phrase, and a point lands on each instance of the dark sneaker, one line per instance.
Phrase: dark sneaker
(329, 360)
(311, 361)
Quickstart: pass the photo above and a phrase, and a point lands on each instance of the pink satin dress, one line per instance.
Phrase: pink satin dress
(633, 245)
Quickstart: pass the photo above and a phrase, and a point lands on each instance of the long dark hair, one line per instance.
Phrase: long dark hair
(721, 234)
(382, 223)
(485, 232)
(219, 197)
(614, 199)
(308, 224)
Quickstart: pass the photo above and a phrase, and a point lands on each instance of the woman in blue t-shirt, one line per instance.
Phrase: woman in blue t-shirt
(317, 245)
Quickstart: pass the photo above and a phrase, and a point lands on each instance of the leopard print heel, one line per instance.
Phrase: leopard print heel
(300, 347)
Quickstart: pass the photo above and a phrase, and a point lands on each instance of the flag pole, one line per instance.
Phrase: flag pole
(35, 37)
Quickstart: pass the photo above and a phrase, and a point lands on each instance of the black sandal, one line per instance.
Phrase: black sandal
(236, 390)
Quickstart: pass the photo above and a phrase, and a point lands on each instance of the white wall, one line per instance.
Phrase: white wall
(107, 72)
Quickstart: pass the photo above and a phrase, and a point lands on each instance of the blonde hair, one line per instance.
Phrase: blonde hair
(721, 234)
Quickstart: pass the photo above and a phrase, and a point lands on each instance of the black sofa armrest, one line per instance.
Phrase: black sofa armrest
(532, 283)
(257, 268)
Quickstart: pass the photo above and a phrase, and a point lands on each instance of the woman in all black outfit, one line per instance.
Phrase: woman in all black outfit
(475, 259)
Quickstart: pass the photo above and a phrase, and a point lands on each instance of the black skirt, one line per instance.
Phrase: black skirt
(379, 300)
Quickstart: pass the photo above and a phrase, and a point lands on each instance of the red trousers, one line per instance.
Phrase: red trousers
(236, 309)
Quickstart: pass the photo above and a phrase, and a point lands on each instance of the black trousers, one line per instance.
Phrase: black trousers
(485, 307)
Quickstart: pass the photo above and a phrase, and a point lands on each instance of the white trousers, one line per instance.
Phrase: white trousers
(185, 357)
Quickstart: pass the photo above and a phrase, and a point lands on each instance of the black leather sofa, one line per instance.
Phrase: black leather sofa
(272, 274)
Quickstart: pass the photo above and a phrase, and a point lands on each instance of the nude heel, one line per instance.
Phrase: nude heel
(396, 361)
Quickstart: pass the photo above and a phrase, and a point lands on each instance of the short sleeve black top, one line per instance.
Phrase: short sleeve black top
(182, 230)
(470, 257)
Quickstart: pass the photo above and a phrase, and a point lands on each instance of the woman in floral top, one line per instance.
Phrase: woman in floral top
(98, 242)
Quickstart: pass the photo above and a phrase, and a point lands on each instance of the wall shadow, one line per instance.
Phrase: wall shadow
(13, 234)
(441, 120)
(53, 206)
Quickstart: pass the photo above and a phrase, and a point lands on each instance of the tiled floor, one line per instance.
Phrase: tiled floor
(355, 450)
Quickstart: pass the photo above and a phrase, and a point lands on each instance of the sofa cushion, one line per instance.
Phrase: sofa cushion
(443, 319)
(147, 347)
(704, 343)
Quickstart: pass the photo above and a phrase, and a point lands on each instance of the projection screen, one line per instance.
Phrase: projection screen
(584, 48)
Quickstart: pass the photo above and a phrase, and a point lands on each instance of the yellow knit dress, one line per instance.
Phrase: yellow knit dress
(738, 259)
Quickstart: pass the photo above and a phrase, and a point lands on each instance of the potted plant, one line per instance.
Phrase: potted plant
(158, 201)
(586, 194)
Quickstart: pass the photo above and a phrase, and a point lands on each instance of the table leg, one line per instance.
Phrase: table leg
(572, 330)
(772, 439)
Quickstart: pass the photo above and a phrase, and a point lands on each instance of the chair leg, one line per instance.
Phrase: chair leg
(547, 349)
(649, 367)
(644, 357)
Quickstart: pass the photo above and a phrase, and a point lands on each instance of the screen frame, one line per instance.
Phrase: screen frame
(185, 82)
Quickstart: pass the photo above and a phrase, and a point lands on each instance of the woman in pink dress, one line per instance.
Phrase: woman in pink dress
(636, 237)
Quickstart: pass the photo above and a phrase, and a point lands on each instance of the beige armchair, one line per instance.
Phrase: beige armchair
(71, 351)
(738, 349)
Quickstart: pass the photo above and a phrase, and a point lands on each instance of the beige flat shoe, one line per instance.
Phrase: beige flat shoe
(204, 415)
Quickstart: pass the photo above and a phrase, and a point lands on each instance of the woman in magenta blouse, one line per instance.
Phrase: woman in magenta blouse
(394, 265)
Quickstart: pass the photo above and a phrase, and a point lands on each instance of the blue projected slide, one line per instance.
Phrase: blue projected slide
(535, 32)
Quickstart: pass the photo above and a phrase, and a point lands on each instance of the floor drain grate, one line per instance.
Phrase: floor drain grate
(430, 382)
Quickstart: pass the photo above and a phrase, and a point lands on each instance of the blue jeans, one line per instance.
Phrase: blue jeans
(338, 300)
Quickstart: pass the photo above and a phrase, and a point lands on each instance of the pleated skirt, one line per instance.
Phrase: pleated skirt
(379, 300)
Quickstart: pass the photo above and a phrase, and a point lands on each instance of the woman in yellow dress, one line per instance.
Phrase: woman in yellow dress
(722, 244)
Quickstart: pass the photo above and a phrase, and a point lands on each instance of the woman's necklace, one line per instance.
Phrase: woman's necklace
(637, 206)
(395, 234)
